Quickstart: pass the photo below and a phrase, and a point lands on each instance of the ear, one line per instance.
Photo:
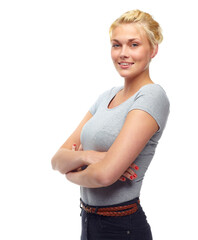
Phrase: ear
(155, 51)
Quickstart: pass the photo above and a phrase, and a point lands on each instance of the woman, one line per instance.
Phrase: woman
(119, 132)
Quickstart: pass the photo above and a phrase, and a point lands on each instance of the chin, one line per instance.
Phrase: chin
(127, 75)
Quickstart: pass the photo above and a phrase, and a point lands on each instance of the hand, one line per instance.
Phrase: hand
(130, 174)
(90, 156)
(74, 147)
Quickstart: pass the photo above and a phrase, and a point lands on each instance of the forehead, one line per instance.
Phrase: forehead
(129, 31)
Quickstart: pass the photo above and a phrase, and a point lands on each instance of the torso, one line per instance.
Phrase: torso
(101, 130)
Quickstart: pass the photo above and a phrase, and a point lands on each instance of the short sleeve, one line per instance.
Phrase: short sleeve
(153, 100)
(102, 97)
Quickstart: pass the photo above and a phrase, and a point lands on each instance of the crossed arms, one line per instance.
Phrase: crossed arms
(105, 168)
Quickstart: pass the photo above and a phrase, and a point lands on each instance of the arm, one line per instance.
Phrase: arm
(65, 159)
(138, 128)
(129, 173)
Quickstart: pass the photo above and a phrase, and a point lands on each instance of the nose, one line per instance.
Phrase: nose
(124, 52)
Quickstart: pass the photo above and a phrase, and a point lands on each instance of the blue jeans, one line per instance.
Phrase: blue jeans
(131, 227)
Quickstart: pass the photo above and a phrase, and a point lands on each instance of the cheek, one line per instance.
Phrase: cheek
(138, 55)
(142, 56)
(113, 55)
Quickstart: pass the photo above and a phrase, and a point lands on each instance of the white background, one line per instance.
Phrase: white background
(54, 62)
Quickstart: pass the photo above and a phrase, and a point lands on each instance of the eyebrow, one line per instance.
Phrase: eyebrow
(129, 40)
(133, 39)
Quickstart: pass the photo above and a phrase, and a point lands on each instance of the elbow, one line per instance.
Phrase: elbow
(55, 165)
(107, 181)
(57, 162)
(104, 179)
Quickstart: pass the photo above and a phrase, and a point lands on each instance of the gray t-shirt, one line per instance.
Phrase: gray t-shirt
(102, 129)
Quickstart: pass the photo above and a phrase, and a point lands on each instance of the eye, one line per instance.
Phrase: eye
(115, 45)
(134, 45)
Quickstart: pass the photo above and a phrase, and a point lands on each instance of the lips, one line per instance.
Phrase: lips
(125, 64)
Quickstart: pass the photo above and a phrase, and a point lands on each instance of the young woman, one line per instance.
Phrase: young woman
(118, 134)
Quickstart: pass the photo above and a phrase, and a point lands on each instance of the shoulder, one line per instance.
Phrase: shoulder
(153, 99)
(113, 90)
(108, 93)
(155, 91)
(153, 94)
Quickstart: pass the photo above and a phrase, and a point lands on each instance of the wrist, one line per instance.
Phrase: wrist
(84, 157)
(91, 156)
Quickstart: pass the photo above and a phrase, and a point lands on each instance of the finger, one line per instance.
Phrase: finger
(130, 170)
(130, 176)
(80, 148)
(74, 147)
(134, 166)
(122, 179)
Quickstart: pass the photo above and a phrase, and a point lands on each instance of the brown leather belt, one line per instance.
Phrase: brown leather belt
(112, 211)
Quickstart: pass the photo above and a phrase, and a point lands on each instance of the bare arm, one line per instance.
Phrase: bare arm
(138, 128)
(65, 159)
(128, 174)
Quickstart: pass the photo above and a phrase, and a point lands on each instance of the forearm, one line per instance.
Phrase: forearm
(97, 175)
(66, 160)
(89, 177)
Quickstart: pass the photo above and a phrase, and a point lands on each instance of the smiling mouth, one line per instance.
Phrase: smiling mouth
(125, 65)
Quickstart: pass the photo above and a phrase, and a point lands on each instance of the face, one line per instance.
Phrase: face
(131, 51)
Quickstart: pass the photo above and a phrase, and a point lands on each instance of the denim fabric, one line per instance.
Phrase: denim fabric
(131, 227)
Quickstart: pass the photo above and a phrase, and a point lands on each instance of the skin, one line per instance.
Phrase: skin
(130, 174)
(130, 46)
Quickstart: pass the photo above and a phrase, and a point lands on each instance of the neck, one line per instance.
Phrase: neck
(132, 85)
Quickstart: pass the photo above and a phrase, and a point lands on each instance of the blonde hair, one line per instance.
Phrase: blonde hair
(151, 27)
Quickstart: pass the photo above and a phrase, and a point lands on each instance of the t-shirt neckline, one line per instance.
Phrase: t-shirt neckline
(117, 91)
